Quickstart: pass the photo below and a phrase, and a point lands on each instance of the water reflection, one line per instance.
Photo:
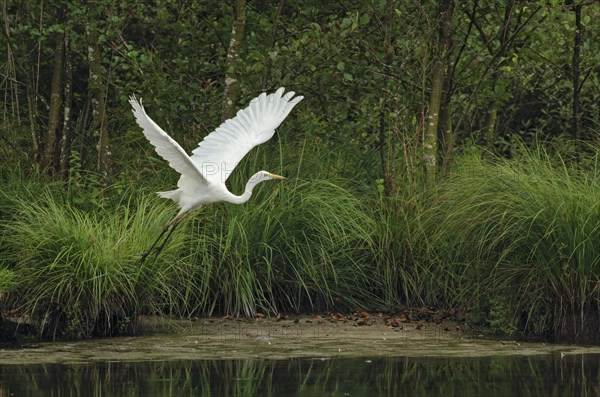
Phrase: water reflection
(542, 375)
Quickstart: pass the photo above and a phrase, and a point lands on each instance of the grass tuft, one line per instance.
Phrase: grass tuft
(302, 245)
(77, 271)
(525, 230)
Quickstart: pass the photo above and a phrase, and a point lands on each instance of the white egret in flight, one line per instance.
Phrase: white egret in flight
(203, 174)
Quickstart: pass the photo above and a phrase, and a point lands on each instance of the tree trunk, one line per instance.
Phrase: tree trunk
(386, 139)
(505, 37)
(10, 71)
(446, 129)
(430, 141)
(430, 138)
(16, 64)
(49, 161)
(576, 77)
(67, 136)
(32, 111)
(490, 128)
(232, 72)
(97, 96)
(274, 26)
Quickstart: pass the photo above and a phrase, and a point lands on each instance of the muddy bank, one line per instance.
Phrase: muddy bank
(318, 336)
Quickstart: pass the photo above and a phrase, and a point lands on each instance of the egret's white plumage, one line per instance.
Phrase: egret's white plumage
(203, 174)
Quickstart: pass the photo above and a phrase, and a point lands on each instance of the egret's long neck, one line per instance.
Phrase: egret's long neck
(254, 180)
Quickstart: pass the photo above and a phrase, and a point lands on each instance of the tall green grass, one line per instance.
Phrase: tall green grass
(405, 278)
(77, 272)
(299, 245)
(522, 236)
(515, 241)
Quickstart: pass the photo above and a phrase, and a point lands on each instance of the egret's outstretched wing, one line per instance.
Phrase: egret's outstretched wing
(221, 150)
(165, 146)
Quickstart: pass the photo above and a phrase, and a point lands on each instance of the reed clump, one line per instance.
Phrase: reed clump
(77, 273)
(520, 238)
(303, 245)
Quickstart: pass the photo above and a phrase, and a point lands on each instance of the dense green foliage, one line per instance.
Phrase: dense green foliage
(369, 217)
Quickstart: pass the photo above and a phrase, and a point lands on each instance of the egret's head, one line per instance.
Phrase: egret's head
(262, 176)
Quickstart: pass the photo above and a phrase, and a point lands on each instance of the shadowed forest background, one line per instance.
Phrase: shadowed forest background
(445, 155)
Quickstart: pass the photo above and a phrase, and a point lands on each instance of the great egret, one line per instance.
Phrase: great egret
(203, 174)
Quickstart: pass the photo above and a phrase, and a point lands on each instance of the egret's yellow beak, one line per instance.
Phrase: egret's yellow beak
(274, 176)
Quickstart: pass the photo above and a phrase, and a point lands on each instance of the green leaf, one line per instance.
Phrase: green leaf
(585, 20)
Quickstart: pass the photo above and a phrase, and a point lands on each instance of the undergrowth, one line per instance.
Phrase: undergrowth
(514, 241)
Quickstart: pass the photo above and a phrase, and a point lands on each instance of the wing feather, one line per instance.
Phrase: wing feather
(221, 150)
(165, 146)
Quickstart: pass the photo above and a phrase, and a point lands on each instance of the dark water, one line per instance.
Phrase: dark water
(541, 375)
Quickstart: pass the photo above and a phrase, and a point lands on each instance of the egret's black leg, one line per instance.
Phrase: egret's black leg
(145, 254)
(172, 229)
(168, 227)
